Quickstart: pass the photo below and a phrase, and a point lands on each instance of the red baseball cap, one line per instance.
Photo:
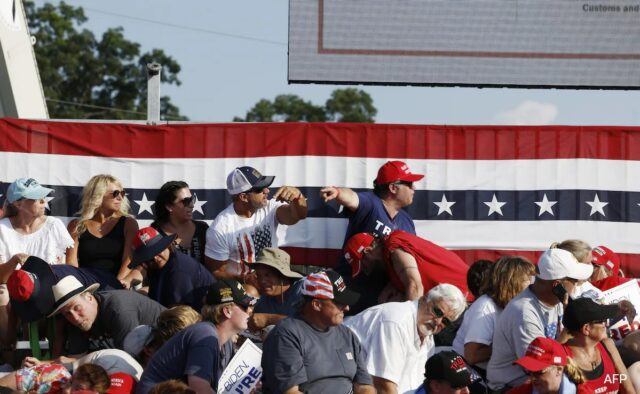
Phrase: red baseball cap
(121, 383)
(607, 257)
(30, 290)
(395, 170)
(541, 353)
(147, 243)
(354, 251)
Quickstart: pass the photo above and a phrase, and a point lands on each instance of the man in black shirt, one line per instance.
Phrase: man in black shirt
(104, 318)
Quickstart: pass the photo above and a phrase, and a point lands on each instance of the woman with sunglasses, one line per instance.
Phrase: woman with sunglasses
(174, 215)
(104, 230)
(594, 353)
(550, 371)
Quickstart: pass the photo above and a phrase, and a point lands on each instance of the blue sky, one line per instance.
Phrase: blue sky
(224, 74)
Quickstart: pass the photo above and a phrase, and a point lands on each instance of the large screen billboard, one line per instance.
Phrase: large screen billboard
(529, 43)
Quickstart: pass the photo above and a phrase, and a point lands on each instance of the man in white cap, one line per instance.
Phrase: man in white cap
(103, 319)
(249, 223)
(533, 313)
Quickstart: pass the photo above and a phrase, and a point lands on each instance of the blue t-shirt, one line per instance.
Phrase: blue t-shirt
(291, 299)
(181, 281)
(422, 390)
(88, 276)
(193, 351)
(372, 217)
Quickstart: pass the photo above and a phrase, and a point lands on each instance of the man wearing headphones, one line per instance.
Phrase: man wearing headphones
(279, 287)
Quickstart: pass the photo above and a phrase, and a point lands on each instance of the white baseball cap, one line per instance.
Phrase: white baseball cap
(558, 263)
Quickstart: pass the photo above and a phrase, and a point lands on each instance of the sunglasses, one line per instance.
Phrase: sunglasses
(537, 374)
(244, 308)
(437, 312)
(406, 183)
(188, 201)
(118, 193)
(256, 190)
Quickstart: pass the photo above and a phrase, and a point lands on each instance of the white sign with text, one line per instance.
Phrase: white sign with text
(243, 372)
(627, 291)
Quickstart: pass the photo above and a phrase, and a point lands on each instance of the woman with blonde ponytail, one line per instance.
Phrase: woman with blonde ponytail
(550, 370)
(580, 249)
(104, 230)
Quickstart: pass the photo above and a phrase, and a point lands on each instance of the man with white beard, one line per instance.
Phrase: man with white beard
(397, 337)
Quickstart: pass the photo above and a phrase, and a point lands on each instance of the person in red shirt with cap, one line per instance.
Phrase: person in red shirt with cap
(550, 371)
(414, 265)
(378, 212)
(606, 269)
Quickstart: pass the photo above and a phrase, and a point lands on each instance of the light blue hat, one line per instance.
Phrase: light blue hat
(27, 188)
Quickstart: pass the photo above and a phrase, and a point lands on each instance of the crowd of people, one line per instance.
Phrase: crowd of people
(164, 309)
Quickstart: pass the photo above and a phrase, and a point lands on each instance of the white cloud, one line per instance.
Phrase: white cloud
(529, 113)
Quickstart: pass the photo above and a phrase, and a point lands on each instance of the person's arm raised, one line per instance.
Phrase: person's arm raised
(343, 195)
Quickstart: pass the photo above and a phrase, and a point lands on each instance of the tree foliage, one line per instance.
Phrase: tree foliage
(344, 105)
(106, 77)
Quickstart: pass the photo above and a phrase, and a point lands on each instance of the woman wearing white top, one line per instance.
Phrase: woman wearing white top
(26, 231)
(510, 275)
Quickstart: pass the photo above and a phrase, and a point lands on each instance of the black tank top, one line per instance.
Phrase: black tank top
(104, 253)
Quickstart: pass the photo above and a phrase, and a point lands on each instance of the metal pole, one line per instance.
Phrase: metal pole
(153, 93)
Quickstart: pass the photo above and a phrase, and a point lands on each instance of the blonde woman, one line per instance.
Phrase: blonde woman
(104, 230)
(580, 249)
(592, 349)
(509, 276)
(550, 371)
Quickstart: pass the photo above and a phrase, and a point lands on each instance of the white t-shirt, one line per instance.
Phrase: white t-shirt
(49, 243)
(389, 337)
(523, 319)
(586, 289)
(477, 326)
(240, 239)
(113, 361)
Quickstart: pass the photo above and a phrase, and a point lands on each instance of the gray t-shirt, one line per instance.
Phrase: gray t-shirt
(193, 351)
(295, 353)
(523, 319)
(119, 312)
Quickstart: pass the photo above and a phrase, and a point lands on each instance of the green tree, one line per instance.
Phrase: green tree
(344, 105)
(350, 105)
(106, 78)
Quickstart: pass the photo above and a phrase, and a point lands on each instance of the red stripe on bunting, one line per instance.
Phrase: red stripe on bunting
(630, 263)
(319, 139)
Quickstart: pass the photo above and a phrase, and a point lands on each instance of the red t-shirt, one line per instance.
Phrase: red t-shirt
(609, 381)
(610, 282)
(435, 263)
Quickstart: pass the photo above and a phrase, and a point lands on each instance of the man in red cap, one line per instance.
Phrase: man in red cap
(378, 212)
(414, 265)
